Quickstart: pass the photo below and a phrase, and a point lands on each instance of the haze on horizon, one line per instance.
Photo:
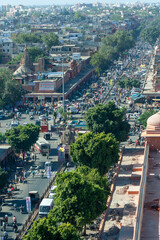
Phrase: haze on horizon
(66, 2)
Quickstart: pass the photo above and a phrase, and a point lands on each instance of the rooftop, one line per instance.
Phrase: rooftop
(122, 211)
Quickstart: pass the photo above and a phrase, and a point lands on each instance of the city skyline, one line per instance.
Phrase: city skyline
(67, 2)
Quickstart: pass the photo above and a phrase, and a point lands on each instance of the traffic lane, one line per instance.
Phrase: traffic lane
(19, 197)
(33, 183)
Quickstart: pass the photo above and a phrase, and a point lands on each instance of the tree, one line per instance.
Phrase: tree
(129, 83)
(40, 230)
(50, 39)
(78, 200)
(112, 47)
(43, 230)
(92, 175)
(35, 53)
(16, 59)
(95, 150)
(78, 16)
(68, 232)
(150, 34)
(2, 138)
(13, 93)
(21, 138)
(27, 38)
(5, 75)
(144, 117)
(10, 91)
(109, 119)
(3, 178)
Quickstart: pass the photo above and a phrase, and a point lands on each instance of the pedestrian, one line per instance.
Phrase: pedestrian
(15, 178)
(4, 225)
(6, 219)
(14, 220)
(22, 179)
(33, 173)
(35, 156)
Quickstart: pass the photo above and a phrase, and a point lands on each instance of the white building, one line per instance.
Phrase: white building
(7, 45)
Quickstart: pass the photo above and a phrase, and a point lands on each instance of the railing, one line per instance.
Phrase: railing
(32, 216)
(139, 212)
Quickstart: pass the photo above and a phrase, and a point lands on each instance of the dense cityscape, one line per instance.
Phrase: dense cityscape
(80, 121)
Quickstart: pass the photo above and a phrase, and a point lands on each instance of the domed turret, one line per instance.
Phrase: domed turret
(153, 122)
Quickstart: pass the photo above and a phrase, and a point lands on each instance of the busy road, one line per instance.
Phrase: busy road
(135, 64)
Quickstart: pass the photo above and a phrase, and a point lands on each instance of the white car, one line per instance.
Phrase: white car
(43, 117)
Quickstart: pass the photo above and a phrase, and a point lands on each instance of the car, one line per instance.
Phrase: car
(42, 117)
(14, 124)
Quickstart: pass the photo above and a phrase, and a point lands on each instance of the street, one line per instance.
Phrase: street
(33, 183)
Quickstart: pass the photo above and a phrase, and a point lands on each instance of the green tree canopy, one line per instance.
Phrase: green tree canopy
(43, 230)
(13, 93)
(10, 90)
(129, 83)
(95, 150)
(79, 16)
(109, 119)
(92, 175)
(50, 39)
(78, 200)
(150, 34)
(35, 53)
(2, 138)
(144, 117)
(112, 47)
(21, 138)
(27, 38)
(16, 59)
(5, 75)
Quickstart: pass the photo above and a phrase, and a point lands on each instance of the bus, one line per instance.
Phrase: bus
(43, 146)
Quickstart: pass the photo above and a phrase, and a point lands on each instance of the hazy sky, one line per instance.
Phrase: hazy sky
(50, 2)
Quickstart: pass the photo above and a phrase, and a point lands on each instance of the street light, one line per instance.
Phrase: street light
(63, 82)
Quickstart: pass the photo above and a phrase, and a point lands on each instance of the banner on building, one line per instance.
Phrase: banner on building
(46, 86)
